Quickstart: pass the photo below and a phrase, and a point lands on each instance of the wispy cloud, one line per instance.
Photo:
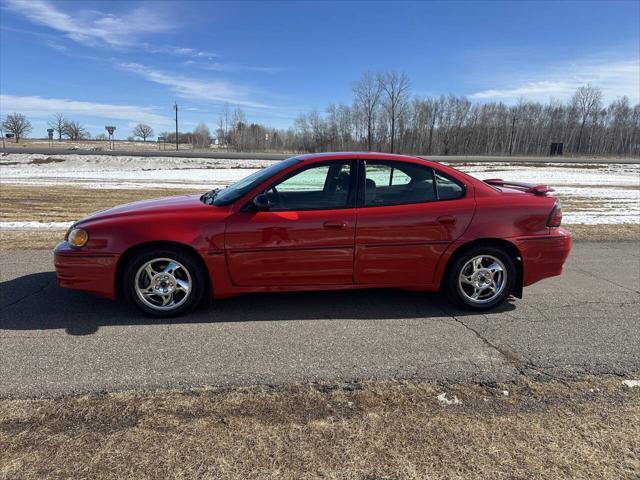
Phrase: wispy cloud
(616, 78)
(231, 67)
(91, 27)
(196, 89)
(123, 32)
(191, 53)
(40, 107)
(57, 46)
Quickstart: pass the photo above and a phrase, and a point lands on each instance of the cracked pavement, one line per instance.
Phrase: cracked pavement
(55, 341)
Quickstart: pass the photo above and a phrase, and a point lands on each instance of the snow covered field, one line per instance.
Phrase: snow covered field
(102, 171)
(591, 193)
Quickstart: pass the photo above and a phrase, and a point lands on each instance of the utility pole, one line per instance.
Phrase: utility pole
(175, 107)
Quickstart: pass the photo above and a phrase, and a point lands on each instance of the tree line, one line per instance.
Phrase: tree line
(384, 116)
(19, 127)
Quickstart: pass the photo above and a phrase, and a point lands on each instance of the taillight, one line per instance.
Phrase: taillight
(555, 217)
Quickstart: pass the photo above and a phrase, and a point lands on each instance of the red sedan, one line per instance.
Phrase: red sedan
(323, 222)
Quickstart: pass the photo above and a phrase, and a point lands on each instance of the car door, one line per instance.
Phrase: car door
(407, 216)
(307, 235)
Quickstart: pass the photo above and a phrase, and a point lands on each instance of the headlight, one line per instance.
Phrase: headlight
(77, 237)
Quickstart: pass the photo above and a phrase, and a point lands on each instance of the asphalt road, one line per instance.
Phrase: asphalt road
(55, 341)
(280, 156)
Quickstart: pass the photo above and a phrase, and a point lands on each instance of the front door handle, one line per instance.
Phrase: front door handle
(334, 224)
(447, 219)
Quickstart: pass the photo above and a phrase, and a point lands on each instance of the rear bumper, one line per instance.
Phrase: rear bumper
(544, 257)
(78, 270)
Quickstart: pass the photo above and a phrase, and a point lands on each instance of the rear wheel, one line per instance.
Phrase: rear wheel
(481, 278)
(164, 282)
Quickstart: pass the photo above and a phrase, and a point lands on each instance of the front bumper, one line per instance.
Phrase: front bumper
(90, 272)
(544, 257)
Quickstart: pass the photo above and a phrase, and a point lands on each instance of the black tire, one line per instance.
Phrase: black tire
(187, 261)
(456, 293)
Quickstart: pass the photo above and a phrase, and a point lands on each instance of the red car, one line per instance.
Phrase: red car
(322, 222)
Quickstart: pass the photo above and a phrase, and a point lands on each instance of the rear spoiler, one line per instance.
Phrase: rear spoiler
(527, 187)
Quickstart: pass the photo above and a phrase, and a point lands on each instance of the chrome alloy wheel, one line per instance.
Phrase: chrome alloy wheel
(163, 284)
(482, 279)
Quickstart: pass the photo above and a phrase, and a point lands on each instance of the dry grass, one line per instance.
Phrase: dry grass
(30, 239)
(68, 203)
(583, 429)
(60, 204)
(605, 233)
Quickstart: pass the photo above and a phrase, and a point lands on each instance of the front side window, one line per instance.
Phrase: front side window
(394, 183)
(319, 187)
(238, 189)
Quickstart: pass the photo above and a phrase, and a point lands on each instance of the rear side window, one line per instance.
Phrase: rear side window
(448, 188)
(395, 183)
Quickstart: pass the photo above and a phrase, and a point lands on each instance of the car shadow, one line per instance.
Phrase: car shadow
(35, 302)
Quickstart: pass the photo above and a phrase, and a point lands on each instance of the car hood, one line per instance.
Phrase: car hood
(180, 203)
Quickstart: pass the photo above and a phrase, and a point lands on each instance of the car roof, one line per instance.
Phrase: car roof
(360, 155)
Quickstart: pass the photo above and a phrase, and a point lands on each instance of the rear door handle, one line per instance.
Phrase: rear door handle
(447, 219)
(334, 224)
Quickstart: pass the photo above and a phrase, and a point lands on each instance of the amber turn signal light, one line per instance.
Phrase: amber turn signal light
(78, 237)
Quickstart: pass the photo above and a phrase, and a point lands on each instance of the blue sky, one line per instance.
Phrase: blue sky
(124, 62)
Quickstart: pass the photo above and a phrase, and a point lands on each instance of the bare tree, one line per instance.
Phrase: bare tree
(223, 126)
(396, 87)
(367, 92)
(75, 131)
(239, 128)
(201, 136)
(514, 114)
(17, 124)
(142, 130)
(586, 101)
(57, 124)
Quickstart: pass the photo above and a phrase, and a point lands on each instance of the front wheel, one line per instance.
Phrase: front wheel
(481, 278)
(164, 282)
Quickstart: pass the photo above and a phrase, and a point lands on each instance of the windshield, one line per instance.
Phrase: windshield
(238, 189)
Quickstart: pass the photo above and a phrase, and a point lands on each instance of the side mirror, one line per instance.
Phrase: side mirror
(261, 202)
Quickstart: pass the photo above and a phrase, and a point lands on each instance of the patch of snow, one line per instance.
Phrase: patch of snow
(442, 398)
(594, 193)
(35, 225)
(598, 217)
(557, 174)
(187, 178)
(505, 393)
(631, 383)
(609, 194)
